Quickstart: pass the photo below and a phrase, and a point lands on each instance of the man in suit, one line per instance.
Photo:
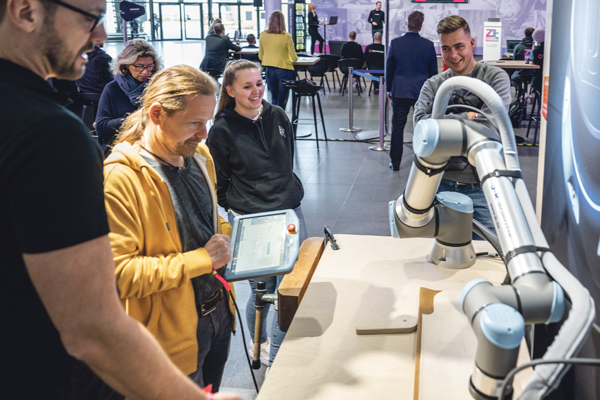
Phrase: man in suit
(351, 49)
(411, 61)
(217, 47)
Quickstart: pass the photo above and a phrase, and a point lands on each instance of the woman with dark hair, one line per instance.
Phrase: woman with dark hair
(313, 29)
(252, 145)
(277, 52)
(133, 68)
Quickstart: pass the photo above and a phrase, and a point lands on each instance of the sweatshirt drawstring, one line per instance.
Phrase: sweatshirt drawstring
(261, 132)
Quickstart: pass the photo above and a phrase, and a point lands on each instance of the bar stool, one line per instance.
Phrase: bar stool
(312, 92)
(535, 115)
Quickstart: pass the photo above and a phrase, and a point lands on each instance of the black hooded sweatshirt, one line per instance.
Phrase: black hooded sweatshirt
(254, 161)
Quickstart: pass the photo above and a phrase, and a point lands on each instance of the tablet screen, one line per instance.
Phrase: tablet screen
(260, 244)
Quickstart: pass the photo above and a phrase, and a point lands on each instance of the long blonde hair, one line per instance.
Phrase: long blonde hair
(311, 8)
(168, 87)
(276, 22)
(228, 79)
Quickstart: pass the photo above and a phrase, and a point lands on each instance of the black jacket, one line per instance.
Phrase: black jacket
(97, 72)
(254, 161)
(217, 54)
(313, 24)
(352, 50)
(375, 56)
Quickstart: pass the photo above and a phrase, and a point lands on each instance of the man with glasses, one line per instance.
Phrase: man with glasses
(457, 52)
(59, 303)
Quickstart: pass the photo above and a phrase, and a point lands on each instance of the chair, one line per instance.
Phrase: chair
(521, 91)
(319, 70)
(89, 101)
(335, 47)
(344, 64)
(312, 92)
(535, 115)
(376, 62)
(333, 64)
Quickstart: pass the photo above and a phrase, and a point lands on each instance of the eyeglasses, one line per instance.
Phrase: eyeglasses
(96, 18)
(141, 68)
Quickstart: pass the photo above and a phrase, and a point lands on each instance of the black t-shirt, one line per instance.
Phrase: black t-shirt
(51, 198)
(378, 17)
(375, 55)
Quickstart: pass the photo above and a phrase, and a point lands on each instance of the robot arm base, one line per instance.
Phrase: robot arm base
(453, 257)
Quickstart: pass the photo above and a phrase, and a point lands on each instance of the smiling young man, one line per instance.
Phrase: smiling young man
(166, 235)
(457, 51)
(60, 302)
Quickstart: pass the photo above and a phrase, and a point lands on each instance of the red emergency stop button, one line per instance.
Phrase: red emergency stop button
(292, 229)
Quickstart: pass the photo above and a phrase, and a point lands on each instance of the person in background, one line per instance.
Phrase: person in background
(376, 19)
(410, 62)
(211, 28)
(375, 56)
(457, 51)
(537, 56)
(251, 45)
(166, 235)
(97, 71)
(351, 49)
(520, 76)
(62, 321)
(133, 67)
(313, 29)
(217, 51)
(252, 143)
(277, 53)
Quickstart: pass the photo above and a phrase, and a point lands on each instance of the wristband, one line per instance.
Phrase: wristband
(208, 391)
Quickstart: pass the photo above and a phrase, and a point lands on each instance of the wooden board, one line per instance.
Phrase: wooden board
(426, 299)
(294, 285)
(322, 357)
(510, 64)
(398, 325)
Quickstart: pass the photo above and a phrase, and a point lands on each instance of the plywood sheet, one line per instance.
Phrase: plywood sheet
(322, 357)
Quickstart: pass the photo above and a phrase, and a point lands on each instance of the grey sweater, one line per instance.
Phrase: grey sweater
(497, 78)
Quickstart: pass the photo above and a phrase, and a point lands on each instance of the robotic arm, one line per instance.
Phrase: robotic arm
(498, 314)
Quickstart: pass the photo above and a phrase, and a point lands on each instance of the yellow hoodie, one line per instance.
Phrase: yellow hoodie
(153, 274)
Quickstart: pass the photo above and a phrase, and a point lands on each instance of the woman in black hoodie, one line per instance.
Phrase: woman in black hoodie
(252, 145)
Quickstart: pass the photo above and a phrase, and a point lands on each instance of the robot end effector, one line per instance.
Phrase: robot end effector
(448, 217)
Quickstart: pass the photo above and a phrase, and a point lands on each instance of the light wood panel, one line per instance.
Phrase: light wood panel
(294, 285)
(370, 278)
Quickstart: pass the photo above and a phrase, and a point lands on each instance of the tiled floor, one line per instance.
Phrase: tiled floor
(347, 186)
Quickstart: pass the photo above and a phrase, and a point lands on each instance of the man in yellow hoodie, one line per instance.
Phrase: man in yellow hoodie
(167, 237)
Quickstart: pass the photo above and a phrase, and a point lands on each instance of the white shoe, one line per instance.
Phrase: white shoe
(265, 351)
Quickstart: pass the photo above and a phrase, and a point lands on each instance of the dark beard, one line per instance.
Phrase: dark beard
(53, 48)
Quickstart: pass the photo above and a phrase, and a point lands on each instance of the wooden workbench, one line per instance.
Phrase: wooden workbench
(371, 280)
(512, 64)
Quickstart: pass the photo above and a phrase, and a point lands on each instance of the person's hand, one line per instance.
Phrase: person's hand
(389, 96)
(226, 396)
(219, 250)
(374, 23)
(472, 115)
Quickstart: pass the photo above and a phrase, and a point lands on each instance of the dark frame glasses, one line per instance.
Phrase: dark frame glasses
(97, 18)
